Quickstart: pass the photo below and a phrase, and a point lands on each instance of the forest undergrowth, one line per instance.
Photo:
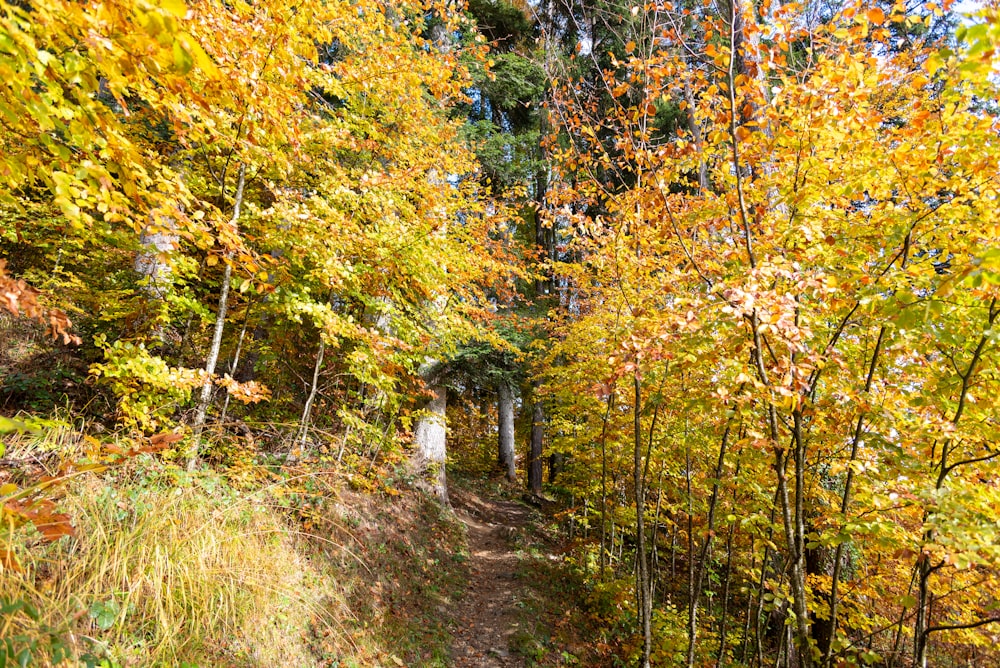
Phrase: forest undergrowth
(256, 564)
(164, 567)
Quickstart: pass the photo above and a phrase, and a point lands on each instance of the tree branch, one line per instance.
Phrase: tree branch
(969, 625)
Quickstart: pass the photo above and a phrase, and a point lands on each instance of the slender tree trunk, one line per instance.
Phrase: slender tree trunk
(944, 467)
(725, 592)
(220, 324)
(825, 640)
(796, 576)
(604, 480)
(307, 409)
(642, 565)
(235, 363)
(749, 611)
(654, 539)
(505, 430)
(924, 571)
(891, 663)
(695, 127)
(611, 545)
(535, 454)
(803, 643)
(764, 567)
(673, 554)
(691, 574)
(698, 577)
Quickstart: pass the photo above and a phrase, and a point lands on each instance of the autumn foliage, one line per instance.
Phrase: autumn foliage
(748, 287)
(787, 301)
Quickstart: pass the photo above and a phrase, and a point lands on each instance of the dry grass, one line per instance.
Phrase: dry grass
(175, 574)
(175, 569)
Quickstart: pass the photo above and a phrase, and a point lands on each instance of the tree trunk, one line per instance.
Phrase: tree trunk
(505, 430)
(535, 455)
(429, 440)
(307, 410)
(698, 576)
(921, 625)
(236, 362)
(556, 460)
(924, 571)
(156, 239)
(643, 598)
(826, 633)
(604, 480)
(220, 324)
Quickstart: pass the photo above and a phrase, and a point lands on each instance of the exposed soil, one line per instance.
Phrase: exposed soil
(487, 615)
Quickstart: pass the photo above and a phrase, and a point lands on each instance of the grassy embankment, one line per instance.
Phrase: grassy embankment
(294, 568)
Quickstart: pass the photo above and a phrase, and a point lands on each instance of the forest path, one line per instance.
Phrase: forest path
(487, 616)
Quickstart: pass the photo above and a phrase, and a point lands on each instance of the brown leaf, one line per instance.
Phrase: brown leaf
(165, 439)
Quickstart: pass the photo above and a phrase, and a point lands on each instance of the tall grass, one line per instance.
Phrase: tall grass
(168, 568)
(167, 575)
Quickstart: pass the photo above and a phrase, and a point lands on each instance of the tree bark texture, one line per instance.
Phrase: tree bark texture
(429, 440)
(535, 455)
(643, 590)
(505, 430)
(313, 390)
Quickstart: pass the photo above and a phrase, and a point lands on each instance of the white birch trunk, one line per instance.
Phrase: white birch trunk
(306, 412)
(220, 324)
(157, 239)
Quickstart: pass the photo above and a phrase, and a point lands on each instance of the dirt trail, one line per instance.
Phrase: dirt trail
(487, 615)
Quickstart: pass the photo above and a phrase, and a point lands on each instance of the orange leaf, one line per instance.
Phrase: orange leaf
(165, 439)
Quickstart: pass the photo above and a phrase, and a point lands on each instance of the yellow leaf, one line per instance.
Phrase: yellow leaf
(201, 59)
(933, 63)
(175, 7)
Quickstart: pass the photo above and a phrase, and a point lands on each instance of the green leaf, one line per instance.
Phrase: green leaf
(870, 657)
(182, 59)
(104, 613)
(8, 425)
